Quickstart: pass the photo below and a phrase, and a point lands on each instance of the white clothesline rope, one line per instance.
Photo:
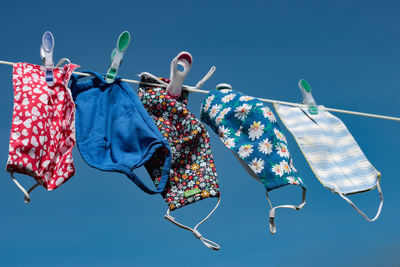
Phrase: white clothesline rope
(193, 89)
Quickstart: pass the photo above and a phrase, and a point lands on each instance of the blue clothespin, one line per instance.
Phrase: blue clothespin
(46, 53)
(117, 56)
(185, 60)
(308, 99)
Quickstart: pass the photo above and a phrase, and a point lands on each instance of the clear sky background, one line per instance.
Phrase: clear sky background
(348, 50)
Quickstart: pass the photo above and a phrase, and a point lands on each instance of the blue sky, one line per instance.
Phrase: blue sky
(348, 51)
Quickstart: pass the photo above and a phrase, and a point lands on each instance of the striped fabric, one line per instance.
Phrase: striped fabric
(330, 149)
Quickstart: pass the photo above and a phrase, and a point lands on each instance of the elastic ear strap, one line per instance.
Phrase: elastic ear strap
(272, 226)
(62, 62)
(144, 187)
(208, 243)
(155, 78)
(206, 77)
(163, 181)
(378, 186)
(27, 198)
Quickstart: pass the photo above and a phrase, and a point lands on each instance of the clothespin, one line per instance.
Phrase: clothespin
(117, 56)
(308, 99)
(177, 77)
(46, 53)
(221, 86)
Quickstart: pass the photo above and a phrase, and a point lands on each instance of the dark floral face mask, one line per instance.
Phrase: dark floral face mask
(193, 175)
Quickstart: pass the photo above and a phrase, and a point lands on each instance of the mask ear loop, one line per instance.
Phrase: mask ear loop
(209, 74)
(208, 243)
(162, 83)
(272, 226)
(199, 84)
(378, 186)
(59, 64)
(27, 197)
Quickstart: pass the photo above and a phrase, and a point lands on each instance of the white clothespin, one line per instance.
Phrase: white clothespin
(221, 86)
(177, 77)
(46, 53)
(308, 99)
(117, 55)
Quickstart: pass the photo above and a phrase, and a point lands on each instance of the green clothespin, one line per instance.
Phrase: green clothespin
(117, 55)
(308, 99)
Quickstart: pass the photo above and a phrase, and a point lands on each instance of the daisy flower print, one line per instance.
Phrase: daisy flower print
(228, 98)
(246, 98)
(225, 91)
(229, 142)
(282, 150)
(277, 170)
(291, 180)
(214, 110)
(279, 135)
(208, 102)
(257, 165)
(265, 146)
(245, 151)
(256, 130)
(223, 131)
(267, 113)
(242, 111)
(285, 166)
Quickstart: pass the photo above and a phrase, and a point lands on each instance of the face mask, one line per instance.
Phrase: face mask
(42, 130)
(193, 175)
(332, 152)
(114, 131)
(249, 129)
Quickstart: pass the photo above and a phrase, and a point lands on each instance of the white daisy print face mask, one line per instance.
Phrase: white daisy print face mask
(250, 130)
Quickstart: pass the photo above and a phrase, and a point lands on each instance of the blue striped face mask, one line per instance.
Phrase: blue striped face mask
(331, 151)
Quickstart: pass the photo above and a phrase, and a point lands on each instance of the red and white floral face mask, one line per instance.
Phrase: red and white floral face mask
(42, 130)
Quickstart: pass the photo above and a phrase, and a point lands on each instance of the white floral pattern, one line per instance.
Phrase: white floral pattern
(285, 166)
(279, 135)
(242, 111)
(265, 146)
(223, 131)
(245, 151)
(267, 113)
(214, 110)
(277, 169)
(249, 128)
(221, 115)
(229, 142)
(208, 102)
(282, 150)
(257, 165)
(246, 98)
(256, 130)
(228, 98)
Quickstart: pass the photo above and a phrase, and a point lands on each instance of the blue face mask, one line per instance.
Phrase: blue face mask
(113, 130)
(332, 152)
(249, 129)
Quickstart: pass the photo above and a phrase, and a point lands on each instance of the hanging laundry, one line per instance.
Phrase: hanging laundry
(249, 129)
(114, 131)
(331, 151)
(42, 130)
(193, 175)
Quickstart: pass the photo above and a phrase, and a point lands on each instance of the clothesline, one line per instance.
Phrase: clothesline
(195, 90)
